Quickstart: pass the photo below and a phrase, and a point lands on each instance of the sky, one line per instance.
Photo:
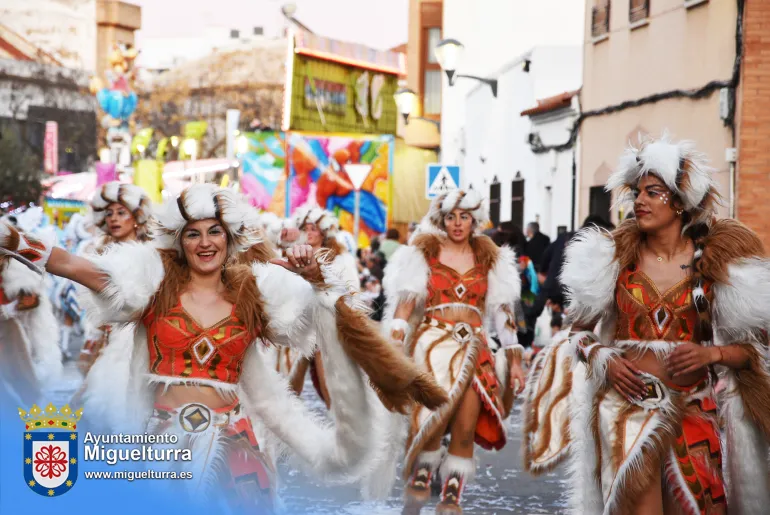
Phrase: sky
(376, 23)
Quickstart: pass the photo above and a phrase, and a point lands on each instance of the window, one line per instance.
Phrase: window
(434, 38)
(600, 18)
(599, 202)
(494, 204)
(431, 14)
(517, 203)
(259, 31)
(638, 10)
(432, 92)
(235, 34)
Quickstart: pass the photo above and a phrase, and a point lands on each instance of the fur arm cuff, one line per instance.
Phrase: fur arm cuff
(35, 248)
(596, 356)
(398, 324)
(505, 327)
(134, 272)
(741, 305)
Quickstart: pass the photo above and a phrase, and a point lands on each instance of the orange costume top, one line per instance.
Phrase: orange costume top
(645, 313)
(180, 347)
(446, 286)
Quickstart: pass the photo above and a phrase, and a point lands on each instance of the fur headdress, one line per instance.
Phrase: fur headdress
(201, 202)
(470, 201)
(129, 196)
(326, 222)
(684, 170)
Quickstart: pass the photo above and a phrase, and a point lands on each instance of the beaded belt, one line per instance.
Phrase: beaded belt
(462, 332)
(197, 418)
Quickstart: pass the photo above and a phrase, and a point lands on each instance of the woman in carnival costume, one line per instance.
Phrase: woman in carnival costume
(445, 291)
(195, 368)
(120, 212)
(29, 332)
(318, 228)
(660, 307)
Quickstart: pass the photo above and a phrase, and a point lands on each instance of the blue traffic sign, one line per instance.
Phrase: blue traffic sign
(440, 179)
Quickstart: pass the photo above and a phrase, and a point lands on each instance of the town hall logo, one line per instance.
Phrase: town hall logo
(50, 449)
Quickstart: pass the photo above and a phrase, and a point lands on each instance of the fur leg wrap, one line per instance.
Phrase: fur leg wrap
(456, 472)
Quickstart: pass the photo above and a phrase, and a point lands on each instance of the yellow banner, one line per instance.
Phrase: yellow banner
(148, 175)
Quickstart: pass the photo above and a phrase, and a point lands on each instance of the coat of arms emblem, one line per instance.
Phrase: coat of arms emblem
(50, 449)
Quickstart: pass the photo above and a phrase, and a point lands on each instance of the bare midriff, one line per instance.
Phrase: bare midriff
(456, 315)
(179, 395)
(648, 361)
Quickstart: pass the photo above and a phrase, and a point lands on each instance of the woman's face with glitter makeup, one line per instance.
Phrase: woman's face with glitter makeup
(655, 206)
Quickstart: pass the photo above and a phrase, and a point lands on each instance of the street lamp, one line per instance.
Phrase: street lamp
(449, 53)
(405, 99)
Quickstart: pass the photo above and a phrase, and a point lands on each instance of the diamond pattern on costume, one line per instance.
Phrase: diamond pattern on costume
(203, 350)
(195, 418)
(180, 347)
(646, 314)
(447, 286)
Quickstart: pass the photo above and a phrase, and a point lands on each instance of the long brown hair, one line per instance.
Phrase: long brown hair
(240, 290)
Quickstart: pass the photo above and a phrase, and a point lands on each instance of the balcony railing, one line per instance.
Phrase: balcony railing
(638, 10)
(600, 19)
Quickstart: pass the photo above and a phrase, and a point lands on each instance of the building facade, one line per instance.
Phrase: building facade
(640, 56)
(494, 144)
(753, 127)
(555, 162)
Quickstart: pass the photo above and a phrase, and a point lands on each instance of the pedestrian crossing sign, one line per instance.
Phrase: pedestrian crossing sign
(440, 179)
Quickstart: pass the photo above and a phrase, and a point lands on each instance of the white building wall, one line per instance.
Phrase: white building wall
(494, 32)
(496, 135)
(554, 170)
(65, 29)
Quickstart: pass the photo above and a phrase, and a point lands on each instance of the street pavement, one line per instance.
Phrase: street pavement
(500, 487)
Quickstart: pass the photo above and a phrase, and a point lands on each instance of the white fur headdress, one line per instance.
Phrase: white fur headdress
(326, 222)
(202, 202)
(470, 201)
(684, 170)
(130, 196)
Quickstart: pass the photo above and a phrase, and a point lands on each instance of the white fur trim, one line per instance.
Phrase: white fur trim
(745, 455)
(590, 274)
(342, 450)
(347, 265)
(38, 325)
(503, 292)
(118, 398)
(585, 493)
(134, 271)
(200, 201)
(676, 483)
(466, 467)
(470, 200)
(600, 359)
(663, 158)
(288, 301)
(661, 348)
(741, 306)
(406, 279)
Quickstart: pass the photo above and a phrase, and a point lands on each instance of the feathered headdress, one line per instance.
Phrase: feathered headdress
(129, 196)
(470, 201)
(326, 222)
(684, 170)
(202, 202)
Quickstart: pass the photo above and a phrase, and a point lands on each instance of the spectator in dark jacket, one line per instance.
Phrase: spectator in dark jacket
(537, 242)
(552, 289)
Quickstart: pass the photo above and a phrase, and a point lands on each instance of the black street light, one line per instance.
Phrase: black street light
(449, 53)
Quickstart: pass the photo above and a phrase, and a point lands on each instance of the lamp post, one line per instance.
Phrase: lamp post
(449, 53)
(405, 99)
(358, 174)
